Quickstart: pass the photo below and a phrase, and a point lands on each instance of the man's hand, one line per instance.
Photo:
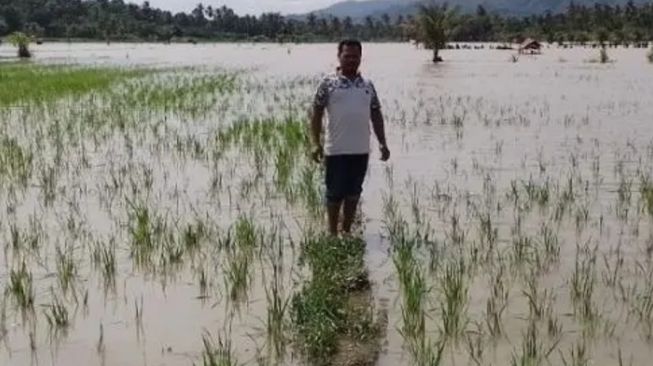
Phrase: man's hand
(385, 153)
(318, 154)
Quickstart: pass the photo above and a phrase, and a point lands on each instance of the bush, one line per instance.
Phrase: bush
(603, 56)
(22, 41)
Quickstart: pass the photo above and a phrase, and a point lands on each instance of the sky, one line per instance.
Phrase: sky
(242, 7)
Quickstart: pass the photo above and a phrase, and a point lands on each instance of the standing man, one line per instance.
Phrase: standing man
(351, 103)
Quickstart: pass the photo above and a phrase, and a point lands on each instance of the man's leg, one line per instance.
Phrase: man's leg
(335, 185)
(357, 169)
(351, 205)
(333, 212)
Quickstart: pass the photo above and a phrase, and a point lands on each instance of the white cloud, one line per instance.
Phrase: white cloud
(245, 6)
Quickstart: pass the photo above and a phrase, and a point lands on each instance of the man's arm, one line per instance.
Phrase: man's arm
(320, 102)
(378, 125)
(316, 116)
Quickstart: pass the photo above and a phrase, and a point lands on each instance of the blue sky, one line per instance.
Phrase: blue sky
(245, 6)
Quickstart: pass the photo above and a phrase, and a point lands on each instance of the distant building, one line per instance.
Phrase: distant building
(530, 46)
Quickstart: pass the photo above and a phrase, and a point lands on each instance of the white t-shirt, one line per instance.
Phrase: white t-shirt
(349, 103)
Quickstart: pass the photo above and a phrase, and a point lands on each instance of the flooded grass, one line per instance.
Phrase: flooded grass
(173, 215)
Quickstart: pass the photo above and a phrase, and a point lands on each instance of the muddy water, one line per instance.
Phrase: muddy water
(543, 117)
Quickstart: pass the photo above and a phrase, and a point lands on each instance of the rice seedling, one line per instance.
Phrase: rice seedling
(217, 353)
(533, 351)
(104, 261)
(20, 289)
(57, 315)
(66, 269)
(582, 287)
(496, 304)
(454, 300)
(578, 355)
(278, 303)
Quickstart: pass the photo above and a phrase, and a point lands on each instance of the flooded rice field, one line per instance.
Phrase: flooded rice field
(158, 207)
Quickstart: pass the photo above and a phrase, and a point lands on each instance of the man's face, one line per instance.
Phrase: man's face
(350, 59)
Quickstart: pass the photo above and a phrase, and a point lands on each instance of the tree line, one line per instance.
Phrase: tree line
(121, 21)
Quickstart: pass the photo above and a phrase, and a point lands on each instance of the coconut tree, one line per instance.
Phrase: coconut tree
(436, 23)
(22, 41)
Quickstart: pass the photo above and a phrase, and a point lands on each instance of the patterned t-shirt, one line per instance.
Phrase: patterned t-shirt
(349, 103)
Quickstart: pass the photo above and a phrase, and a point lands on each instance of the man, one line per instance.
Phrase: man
(351, 103)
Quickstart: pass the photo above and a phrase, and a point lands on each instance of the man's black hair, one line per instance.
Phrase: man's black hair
(350, 43)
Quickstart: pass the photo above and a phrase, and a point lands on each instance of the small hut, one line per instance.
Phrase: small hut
(530, 47)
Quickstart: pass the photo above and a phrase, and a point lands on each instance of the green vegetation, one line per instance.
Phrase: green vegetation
(21, 41)
(44, 83)
(323, 312)
(119, 20)
(436, 23)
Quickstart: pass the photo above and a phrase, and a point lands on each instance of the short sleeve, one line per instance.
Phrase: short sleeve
(375, 103)
(321, 99)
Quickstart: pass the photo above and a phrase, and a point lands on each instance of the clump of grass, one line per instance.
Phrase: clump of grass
(320, 312)
(20, 288)
(66, 268)
(453, 284)
(646, 191)
(16, 161)
(241, 244)
(57, 315)
(582, 285)
(496, 304)
(578, 355)
(147, 232)
(104, 260)
(533, 351)
(218, 353)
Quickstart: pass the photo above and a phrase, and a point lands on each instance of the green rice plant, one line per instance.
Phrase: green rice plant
(218, 353)
(320, 312)
(646, 192)
(474, 340)
(16, 161)
(146, 231)
(20, 289)
(548, 239)
(414, 290)
(278, 304)
(34, 83)
(540, 304)
(66, 268)
(454, 299)
(496, 304)
(642, 308)
(582, 286)
(48, 180)
(533, 351)
(578, 355)
(57, 315)
(103, 258)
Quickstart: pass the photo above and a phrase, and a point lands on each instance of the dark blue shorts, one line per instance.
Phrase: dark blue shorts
(344, 176)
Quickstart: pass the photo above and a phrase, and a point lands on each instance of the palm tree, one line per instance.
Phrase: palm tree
(436, 23)
(22, 41)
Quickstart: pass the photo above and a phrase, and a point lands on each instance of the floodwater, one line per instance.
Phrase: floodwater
(459, 129)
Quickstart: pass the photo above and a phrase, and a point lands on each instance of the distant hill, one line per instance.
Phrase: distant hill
(360, 9)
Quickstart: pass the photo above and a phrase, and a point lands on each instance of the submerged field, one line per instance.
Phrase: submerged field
(158, 207)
